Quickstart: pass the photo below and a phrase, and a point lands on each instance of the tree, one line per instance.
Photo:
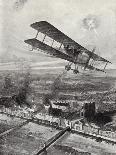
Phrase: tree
(7, 81)
(23, 91)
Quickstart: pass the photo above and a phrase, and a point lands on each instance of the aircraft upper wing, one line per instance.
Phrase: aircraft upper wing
(54, 33)
(49, 50)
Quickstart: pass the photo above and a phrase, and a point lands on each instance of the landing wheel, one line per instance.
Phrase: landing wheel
(68, 67)
(75, 71)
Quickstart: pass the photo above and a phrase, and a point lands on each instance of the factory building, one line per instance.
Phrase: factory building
(71, 108)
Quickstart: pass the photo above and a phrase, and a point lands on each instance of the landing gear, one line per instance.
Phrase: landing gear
(75, 71)
(68, 67)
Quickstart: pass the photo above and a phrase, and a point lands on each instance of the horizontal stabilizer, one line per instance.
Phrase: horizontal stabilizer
(94, 68)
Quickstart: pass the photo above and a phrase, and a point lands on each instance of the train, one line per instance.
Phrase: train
(90, 129)
(75, 125)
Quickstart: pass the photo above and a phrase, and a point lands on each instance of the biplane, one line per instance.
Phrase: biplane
(68, 49)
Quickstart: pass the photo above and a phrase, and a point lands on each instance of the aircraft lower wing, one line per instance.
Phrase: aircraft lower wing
(51, 31)
(49, 50)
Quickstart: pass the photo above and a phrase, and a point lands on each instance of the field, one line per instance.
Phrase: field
(83, 87)
(99, 87)
(30, 138)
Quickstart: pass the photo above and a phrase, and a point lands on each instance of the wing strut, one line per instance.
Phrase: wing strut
(44, 38)
(105, 65)
(52, 43)
(60, 46)
(37, 34)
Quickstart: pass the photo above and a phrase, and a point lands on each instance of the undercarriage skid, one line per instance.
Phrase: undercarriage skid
(68, 67)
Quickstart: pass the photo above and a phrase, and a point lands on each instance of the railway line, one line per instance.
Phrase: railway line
(53, 139)
(98, 138)
(13, 129)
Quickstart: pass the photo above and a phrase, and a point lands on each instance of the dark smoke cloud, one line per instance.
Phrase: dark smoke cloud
(19, 4)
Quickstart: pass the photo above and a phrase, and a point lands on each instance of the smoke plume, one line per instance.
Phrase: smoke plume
(19, 4)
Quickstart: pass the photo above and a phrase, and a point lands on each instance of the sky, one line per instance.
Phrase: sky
(67, 15)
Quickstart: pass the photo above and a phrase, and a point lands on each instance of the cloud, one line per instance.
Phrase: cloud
(19, 4)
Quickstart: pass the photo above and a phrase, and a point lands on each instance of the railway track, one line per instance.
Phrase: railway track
(13, 129)
(97, 137)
